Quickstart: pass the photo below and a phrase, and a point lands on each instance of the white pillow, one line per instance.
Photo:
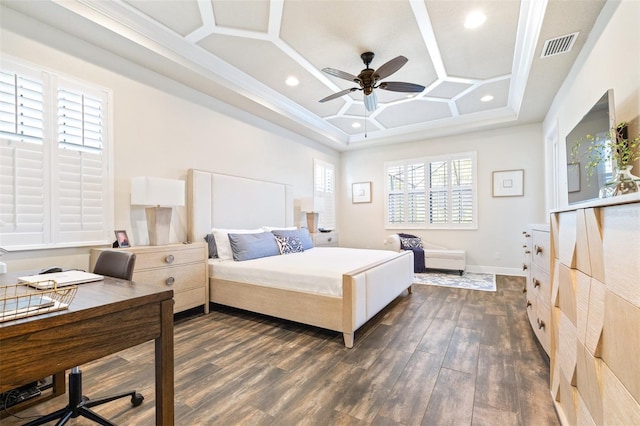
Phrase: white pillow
(278, 228)
(222, 240)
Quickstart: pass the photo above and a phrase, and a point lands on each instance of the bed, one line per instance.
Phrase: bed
(363, 289)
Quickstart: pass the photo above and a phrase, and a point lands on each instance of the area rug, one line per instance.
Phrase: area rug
(469, 280)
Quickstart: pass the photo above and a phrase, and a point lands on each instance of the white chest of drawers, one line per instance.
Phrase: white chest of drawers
(181, 267)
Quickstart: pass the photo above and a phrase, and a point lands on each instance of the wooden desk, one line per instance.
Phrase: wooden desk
(104, 318)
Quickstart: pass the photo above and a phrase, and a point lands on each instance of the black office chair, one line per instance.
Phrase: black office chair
(111, 263)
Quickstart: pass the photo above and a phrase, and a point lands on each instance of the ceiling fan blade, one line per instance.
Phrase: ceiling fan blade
(399, 86)
(390, 67)
(341, 74)
(371, 102)
(338, 94)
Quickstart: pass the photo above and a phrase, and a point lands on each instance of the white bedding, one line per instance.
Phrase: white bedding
(318, 270)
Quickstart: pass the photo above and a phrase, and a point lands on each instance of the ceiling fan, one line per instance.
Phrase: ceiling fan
(369, 79)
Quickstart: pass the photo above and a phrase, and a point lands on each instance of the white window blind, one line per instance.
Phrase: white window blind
(324, 193)
(431, 192)
(54, 177)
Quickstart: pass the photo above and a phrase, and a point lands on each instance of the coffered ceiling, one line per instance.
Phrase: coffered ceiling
(242, 52)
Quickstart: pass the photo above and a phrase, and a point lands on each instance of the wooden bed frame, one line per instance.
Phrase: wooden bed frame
(223, 201)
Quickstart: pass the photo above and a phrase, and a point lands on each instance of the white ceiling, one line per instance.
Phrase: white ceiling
(241, 52)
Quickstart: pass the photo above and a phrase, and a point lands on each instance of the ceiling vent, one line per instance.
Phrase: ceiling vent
(558, 45)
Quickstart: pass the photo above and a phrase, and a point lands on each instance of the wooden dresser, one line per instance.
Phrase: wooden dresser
(537, 259)
(325, 239)
(595, 346)
(181, 267)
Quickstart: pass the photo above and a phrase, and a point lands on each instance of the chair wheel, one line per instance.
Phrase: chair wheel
(136, 399)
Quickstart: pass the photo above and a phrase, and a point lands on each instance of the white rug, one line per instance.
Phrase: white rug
(469, 280)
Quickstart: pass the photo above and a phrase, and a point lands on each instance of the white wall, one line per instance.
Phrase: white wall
(609, 60)
(163, 131)
(500, 220)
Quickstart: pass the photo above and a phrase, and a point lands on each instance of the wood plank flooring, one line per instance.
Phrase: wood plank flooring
(439, 356)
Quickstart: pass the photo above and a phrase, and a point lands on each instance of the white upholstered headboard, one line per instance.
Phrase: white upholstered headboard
(223, 201)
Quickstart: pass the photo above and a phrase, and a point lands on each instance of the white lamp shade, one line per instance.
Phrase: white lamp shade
(311, 205)
(152, 191)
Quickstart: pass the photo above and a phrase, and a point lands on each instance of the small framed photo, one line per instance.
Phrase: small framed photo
(122, 239)
(508, 183)
(573, 177)
(361, 192)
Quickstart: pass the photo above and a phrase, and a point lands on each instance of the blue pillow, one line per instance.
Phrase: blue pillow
(213, 249)
(289, 245)
(302, 234)
(253, 246)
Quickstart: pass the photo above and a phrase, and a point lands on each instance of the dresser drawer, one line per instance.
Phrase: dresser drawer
(178, 278)
(540, 252)
(188, 299)
(168, 257)
(540, 283)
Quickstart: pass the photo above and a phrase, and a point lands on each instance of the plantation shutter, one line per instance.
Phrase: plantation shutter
(22, 168)
(324, 193)
(81, 201)
(431, 193)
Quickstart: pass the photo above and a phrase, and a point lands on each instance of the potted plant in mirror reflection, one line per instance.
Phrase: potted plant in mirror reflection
(613, 148)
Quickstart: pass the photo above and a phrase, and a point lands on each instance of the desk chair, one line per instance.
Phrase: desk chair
(111, 263)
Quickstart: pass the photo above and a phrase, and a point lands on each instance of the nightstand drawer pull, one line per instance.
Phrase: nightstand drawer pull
(169, 259)
(540, 323)
(538, 249)
(170, 281)
(329, 239)
(536, 283)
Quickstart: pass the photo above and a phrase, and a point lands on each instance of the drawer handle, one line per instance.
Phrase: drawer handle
(170, 281)
(169, 259)
(526, 234)
(527, 251)
(524, 267)
(537, 249)
(329, 239)
(536, 283)
(528, 304)
(540, 324)
(524, 289)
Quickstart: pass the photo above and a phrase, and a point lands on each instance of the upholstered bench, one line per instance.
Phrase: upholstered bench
(435, 257)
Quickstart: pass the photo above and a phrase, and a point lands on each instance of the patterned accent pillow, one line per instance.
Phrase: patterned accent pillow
(289, 244)
(407, 243)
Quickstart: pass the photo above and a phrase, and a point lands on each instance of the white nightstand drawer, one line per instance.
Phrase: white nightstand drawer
(325, 239)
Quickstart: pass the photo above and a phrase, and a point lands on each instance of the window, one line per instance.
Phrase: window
(55, 187)
(435, 192)
(324, 190)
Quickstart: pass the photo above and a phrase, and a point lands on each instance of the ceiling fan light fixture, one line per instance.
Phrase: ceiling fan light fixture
(474, 20)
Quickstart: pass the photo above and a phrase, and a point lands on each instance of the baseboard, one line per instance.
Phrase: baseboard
(498, 270)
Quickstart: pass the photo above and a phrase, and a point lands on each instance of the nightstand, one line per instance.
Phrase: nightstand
(325, 239)
(181, 267)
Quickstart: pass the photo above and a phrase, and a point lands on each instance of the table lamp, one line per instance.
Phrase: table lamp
(162, 194)
(311, 206)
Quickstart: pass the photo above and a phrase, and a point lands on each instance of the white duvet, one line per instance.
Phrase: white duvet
(318, 270)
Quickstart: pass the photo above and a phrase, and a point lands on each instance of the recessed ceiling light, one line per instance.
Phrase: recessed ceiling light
(486, 98)
(474, 20)
(355, 125)
(292, 81)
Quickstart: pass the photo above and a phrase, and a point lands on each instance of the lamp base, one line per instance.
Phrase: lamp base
(312, 222)
(158, 223)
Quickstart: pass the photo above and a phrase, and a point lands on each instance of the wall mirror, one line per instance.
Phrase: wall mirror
(598, 121)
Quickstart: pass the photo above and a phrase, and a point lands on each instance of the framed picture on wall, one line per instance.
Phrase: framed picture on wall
(508, 183)
(573, 177)
(361, 192)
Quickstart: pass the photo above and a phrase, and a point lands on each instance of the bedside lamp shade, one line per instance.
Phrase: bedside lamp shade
(162, 194)
(311, 206)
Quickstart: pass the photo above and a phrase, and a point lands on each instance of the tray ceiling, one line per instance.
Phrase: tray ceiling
(242, 52)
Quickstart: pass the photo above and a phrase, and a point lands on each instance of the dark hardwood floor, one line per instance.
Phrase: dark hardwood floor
(438, 356)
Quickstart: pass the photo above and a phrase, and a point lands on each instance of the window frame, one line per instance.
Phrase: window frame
(51, 235)
(425, 162)
(326, 202)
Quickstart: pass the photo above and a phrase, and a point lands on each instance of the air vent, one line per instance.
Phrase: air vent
(558, 45)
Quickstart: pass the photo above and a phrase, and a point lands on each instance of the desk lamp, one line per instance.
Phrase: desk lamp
(162, 194)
